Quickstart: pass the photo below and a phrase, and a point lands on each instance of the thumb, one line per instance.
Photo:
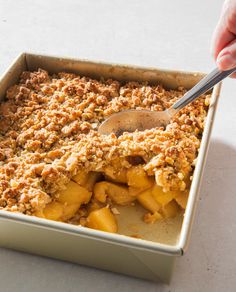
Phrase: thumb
(227, 57)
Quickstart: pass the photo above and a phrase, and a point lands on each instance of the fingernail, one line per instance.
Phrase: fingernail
(225, 61)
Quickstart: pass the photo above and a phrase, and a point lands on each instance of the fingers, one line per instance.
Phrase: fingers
(222, 35)
(227, 57)
(224, 38)
(221, 38)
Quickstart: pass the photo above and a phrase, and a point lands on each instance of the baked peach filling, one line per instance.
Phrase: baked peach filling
(55, 164)
(99, 197)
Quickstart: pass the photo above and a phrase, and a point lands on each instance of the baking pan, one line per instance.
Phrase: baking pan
(152, 258)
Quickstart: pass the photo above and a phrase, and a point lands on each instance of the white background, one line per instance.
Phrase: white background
(166, 34)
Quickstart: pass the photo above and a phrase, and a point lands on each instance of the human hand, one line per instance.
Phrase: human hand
(224, 37)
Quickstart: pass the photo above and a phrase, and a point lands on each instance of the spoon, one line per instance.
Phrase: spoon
(131, 120)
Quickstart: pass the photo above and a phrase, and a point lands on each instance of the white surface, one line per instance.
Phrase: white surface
(167, 34)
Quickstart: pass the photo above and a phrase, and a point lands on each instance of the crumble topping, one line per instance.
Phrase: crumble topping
(48, 132)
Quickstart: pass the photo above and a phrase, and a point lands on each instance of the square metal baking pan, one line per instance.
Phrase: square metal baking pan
(147, 259)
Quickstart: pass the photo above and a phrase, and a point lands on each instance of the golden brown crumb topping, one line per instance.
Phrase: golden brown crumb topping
(48, 132)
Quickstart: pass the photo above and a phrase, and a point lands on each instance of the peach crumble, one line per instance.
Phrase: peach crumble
(55, 165)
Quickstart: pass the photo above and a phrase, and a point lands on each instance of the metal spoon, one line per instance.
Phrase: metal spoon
(131, 120)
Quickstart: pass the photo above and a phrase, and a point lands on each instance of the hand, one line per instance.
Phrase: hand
(224, 37)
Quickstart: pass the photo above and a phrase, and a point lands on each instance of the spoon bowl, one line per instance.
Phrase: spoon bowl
(131, 120)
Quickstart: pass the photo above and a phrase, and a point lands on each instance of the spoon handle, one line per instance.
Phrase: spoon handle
(201, 87)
